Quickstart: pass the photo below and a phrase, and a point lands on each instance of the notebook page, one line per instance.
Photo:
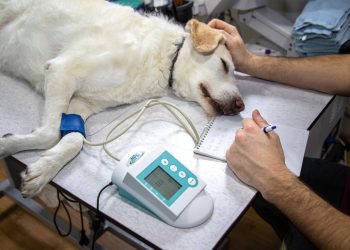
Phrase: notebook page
(218, 136)
(220, 133)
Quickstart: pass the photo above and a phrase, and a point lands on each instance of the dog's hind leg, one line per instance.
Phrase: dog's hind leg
(51, 162)
(59, 88)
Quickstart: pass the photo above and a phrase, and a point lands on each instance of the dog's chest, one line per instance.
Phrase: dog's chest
(102, 97)
(119, 72)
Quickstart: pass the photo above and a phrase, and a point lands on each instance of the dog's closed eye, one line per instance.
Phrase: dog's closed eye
(224, 64)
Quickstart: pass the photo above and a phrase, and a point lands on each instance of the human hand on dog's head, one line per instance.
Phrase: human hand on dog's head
(241, 56)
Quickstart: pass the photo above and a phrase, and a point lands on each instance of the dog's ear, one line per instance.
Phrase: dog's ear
(204, 39)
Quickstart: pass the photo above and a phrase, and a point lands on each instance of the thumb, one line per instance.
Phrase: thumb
(259, 119)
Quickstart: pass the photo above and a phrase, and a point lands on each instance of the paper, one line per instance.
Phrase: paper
(220, 132)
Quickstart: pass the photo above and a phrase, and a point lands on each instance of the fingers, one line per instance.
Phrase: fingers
(258, 119)
(249, 125)
(256, 123)
(221, 25)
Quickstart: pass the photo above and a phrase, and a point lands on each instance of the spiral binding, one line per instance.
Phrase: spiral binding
(204, 133)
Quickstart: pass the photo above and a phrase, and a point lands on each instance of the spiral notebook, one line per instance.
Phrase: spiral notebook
(220, 132)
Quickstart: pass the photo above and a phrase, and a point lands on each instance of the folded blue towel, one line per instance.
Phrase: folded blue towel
(320, 46)
(322, 27)
(326, 13)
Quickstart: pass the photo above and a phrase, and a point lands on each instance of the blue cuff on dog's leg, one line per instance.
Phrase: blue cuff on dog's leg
(72, 123)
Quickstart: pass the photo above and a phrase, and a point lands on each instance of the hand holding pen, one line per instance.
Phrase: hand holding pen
(254, 156)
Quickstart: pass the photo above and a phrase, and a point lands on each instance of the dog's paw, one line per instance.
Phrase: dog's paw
(31, 185)
(35, 178)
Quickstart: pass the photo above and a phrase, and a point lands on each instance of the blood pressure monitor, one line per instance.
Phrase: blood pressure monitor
(162, 184)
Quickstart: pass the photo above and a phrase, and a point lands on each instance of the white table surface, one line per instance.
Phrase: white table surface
(21, 109)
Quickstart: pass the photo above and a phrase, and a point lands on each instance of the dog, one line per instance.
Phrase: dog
(87, 55)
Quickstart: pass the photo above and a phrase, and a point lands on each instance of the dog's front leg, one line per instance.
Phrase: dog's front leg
(51, 162)
(59, 88)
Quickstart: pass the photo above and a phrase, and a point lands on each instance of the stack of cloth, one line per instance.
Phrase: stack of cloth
(322, 27)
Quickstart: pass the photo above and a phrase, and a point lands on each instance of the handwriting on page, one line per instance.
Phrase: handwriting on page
(219, 135)
(221, 141)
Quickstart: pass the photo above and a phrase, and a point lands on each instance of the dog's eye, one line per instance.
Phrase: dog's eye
(224, 64)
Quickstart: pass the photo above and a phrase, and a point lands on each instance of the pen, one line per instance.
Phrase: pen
(269, 128)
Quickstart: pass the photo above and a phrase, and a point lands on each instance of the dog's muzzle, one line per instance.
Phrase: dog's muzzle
(227, 107)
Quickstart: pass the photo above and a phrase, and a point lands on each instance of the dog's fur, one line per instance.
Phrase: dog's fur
(88, 55)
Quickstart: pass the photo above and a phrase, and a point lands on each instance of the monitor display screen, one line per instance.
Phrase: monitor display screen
(163, 182)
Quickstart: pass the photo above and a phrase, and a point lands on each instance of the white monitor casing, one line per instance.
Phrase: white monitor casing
(189, 206)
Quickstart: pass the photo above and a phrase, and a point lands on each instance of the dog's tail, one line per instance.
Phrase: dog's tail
(10, 9)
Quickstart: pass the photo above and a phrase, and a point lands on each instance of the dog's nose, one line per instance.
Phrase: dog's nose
(233, 107)
(239, 104)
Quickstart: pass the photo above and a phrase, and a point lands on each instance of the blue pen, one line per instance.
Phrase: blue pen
(269, 128)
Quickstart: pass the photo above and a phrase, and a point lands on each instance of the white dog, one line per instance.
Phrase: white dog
(88, 55)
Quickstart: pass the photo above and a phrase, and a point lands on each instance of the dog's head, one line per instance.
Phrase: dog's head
(204, 71)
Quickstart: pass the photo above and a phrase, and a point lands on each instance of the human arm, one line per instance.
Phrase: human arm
(257, 159)
(329, 74)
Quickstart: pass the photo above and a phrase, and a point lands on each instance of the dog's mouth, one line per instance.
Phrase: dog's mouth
(221, 107)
